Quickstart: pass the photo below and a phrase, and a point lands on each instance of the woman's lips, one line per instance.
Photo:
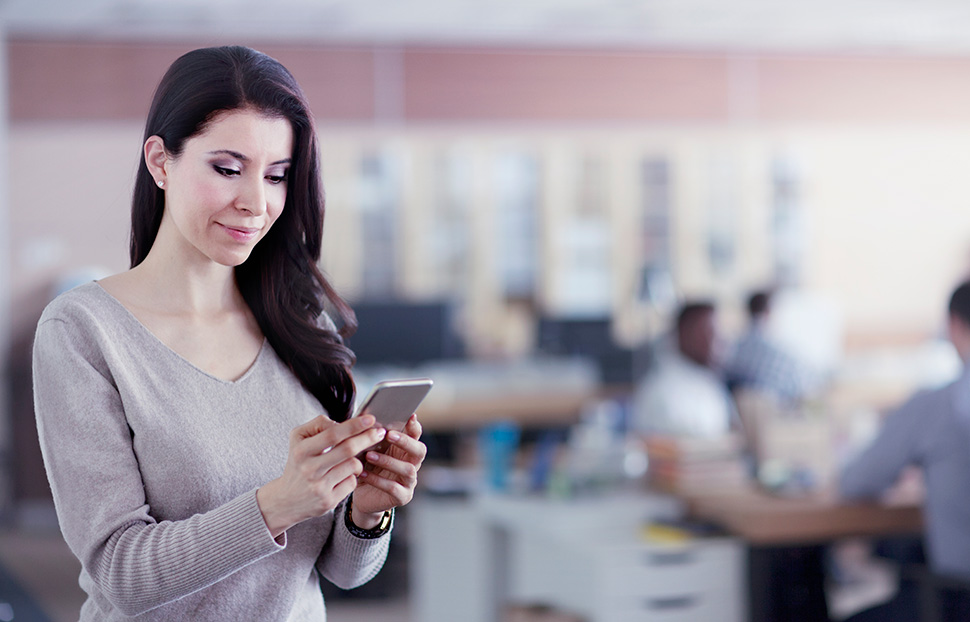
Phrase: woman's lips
(240, 234)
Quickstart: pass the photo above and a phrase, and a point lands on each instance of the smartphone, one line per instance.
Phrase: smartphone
(393, 401)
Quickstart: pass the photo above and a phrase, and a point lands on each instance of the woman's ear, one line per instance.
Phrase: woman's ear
(156, 158)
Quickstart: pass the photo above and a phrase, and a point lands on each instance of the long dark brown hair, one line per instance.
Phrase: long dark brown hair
(280, 281)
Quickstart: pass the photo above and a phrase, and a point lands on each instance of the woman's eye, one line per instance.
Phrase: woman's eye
(227, 172)
(276, 179)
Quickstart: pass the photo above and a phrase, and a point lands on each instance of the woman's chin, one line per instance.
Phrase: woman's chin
(232, 259)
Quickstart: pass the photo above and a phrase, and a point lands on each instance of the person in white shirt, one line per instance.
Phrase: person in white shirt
(685, 395)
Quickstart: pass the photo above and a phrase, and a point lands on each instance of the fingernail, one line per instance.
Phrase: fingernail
(367, 420)
(373, 456)
(363, 475)
(394, 436)
(381, 432)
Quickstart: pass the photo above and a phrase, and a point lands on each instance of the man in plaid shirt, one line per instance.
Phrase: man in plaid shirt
(759, 364)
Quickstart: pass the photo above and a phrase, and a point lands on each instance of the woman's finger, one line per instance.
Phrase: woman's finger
(401, 493)
(344, 488)
(311, 428)
(331, 475)
(406, 472)
(413, 427)
(314, 468)
(353, 446)
(333, 435)
(412, 447)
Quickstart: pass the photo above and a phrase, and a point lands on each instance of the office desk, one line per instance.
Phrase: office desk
(765, 520)
(537, 409)
(467, 393)
(787, 539)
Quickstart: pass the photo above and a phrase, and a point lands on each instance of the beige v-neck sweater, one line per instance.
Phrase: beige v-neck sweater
(154, 466)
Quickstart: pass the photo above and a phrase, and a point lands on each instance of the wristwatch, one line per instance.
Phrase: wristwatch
(383, 526)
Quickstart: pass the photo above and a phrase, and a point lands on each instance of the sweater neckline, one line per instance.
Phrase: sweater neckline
(161, 345)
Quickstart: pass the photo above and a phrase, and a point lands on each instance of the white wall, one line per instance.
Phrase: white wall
(70, 194)
(888, 209)
(889, 213)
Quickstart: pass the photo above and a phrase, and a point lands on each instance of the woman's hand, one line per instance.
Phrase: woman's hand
(321, 470)
(390, 474)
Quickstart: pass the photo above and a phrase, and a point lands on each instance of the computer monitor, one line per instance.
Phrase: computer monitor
(590, 338)
(393, 332)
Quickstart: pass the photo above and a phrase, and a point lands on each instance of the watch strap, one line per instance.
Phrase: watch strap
(368, 534)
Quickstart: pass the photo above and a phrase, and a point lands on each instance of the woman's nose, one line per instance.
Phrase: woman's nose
(252, 197)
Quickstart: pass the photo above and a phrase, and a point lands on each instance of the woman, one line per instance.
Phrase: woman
(179, 403)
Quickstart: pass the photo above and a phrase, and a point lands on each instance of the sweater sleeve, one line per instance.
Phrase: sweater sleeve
(897, 445)
(137, 562)
(348, 561)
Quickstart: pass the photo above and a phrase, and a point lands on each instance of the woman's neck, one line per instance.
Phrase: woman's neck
(181, 283)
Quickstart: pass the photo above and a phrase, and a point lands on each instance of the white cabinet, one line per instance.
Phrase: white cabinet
(449, 562)
(698, 581)
(587, 557)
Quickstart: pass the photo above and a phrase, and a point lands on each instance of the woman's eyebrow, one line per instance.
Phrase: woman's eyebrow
(228, 152)
(245, 158)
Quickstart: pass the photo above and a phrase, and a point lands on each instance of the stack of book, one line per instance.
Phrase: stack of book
(682, 464)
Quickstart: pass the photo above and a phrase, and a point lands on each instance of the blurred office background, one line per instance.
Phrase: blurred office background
(514, 182)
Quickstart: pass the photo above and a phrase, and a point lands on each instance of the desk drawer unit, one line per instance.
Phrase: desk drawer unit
(702, 581)
(661, 570)
(685, 606)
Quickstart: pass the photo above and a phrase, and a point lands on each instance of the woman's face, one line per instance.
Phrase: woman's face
(228, 187)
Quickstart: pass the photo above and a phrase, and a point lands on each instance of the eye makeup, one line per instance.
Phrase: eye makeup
(279, 170)
(226, 171)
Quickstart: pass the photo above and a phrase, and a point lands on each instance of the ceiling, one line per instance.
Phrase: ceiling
(857, 26)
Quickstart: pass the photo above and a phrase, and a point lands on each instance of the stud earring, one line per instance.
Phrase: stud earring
(161, 183)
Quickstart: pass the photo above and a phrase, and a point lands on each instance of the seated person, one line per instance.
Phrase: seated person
(758, 363)
(932, 431)
(685, 395)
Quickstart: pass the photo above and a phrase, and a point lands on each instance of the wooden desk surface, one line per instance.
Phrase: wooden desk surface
(764, 519)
